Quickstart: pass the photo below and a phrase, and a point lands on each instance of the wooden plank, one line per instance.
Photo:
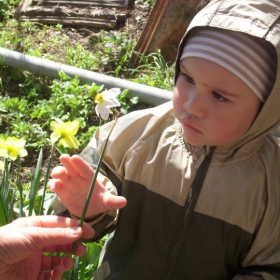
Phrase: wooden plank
(99, 23)
(98, 13)
(99, 17)
(100, 3)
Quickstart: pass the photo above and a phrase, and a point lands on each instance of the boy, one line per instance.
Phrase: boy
(198, 180)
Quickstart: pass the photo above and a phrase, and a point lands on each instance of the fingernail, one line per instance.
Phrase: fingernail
(75, 230)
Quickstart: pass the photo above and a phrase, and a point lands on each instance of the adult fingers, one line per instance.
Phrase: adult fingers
(48, 221)
(45, 237)
(66, 264)
(80, 249)
(56, 273)
(60, 228)
(51, 262)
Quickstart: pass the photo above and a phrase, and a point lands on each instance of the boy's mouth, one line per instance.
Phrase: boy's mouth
(190, 127)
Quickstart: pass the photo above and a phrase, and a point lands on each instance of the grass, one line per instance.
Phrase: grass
(29, 102)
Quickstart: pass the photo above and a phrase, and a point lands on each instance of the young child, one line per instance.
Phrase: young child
(198, 178)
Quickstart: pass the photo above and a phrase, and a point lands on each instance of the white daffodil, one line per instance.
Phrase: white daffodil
(106, 100)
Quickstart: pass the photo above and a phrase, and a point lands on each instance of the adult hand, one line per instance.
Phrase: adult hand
(24, 242)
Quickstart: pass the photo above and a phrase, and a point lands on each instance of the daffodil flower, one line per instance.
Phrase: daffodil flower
(106, 100)
(12, 147)
(2, 165)
(65, 132)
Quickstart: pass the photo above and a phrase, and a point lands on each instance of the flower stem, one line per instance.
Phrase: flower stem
(95, 176)
(46, 179)
(19, 186)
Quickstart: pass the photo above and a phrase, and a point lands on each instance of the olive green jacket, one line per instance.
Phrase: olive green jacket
(198, 213)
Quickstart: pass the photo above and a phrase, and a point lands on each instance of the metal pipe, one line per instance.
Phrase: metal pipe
(146, 94)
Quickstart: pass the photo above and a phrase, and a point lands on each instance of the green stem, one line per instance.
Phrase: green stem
(6, 177)
(94, 180)
(5, 186)
(19, 186)
(46, 179)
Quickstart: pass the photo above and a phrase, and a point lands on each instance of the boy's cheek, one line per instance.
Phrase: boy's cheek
(176, 106)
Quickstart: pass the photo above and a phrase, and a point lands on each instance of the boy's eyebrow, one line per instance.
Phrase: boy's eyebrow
(224, 91)
(182, 68)
(219, 90)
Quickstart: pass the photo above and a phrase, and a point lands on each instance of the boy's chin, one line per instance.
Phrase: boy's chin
(194, 142)
(189, 138)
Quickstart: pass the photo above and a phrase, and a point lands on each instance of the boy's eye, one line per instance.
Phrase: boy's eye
(219, 97)
(189, 79)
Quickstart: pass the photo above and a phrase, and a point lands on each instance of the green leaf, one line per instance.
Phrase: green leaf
(35, 182)
(3, 220)
(93, 252)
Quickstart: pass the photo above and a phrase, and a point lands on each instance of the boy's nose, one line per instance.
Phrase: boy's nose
(195, 105)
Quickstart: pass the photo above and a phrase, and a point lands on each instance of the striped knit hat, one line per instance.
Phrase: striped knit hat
(251, 59)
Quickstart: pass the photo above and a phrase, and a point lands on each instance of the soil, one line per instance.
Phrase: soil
(135, 19)
(129, 21)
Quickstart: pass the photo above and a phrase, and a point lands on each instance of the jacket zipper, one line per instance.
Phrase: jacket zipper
(202, 157)
(197, 165)
(201, 165)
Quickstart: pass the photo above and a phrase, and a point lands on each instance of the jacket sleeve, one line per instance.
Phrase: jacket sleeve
(268, 270)
(262, 261)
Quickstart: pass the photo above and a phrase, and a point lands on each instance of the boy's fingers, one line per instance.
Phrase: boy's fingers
(114, 202)
(82, 167)
(68, 165)
(59, 172)
(54, 185)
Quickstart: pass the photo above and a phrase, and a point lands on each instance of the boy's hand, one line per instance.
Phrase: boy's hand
(71, 183)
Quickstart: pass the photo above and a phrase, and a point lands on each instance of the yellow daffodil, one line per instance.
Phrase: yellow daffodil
(2, 165)
(106, 100)
(65, 132)
(12, 147)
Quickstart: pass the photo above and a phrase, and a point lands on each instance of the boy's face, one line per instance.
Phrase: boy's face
(214, 106)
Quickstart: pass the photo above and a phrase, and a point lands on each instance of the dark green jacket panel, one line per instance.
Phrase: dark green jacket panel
(145, 228)
(146, 231)
(213, 249)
